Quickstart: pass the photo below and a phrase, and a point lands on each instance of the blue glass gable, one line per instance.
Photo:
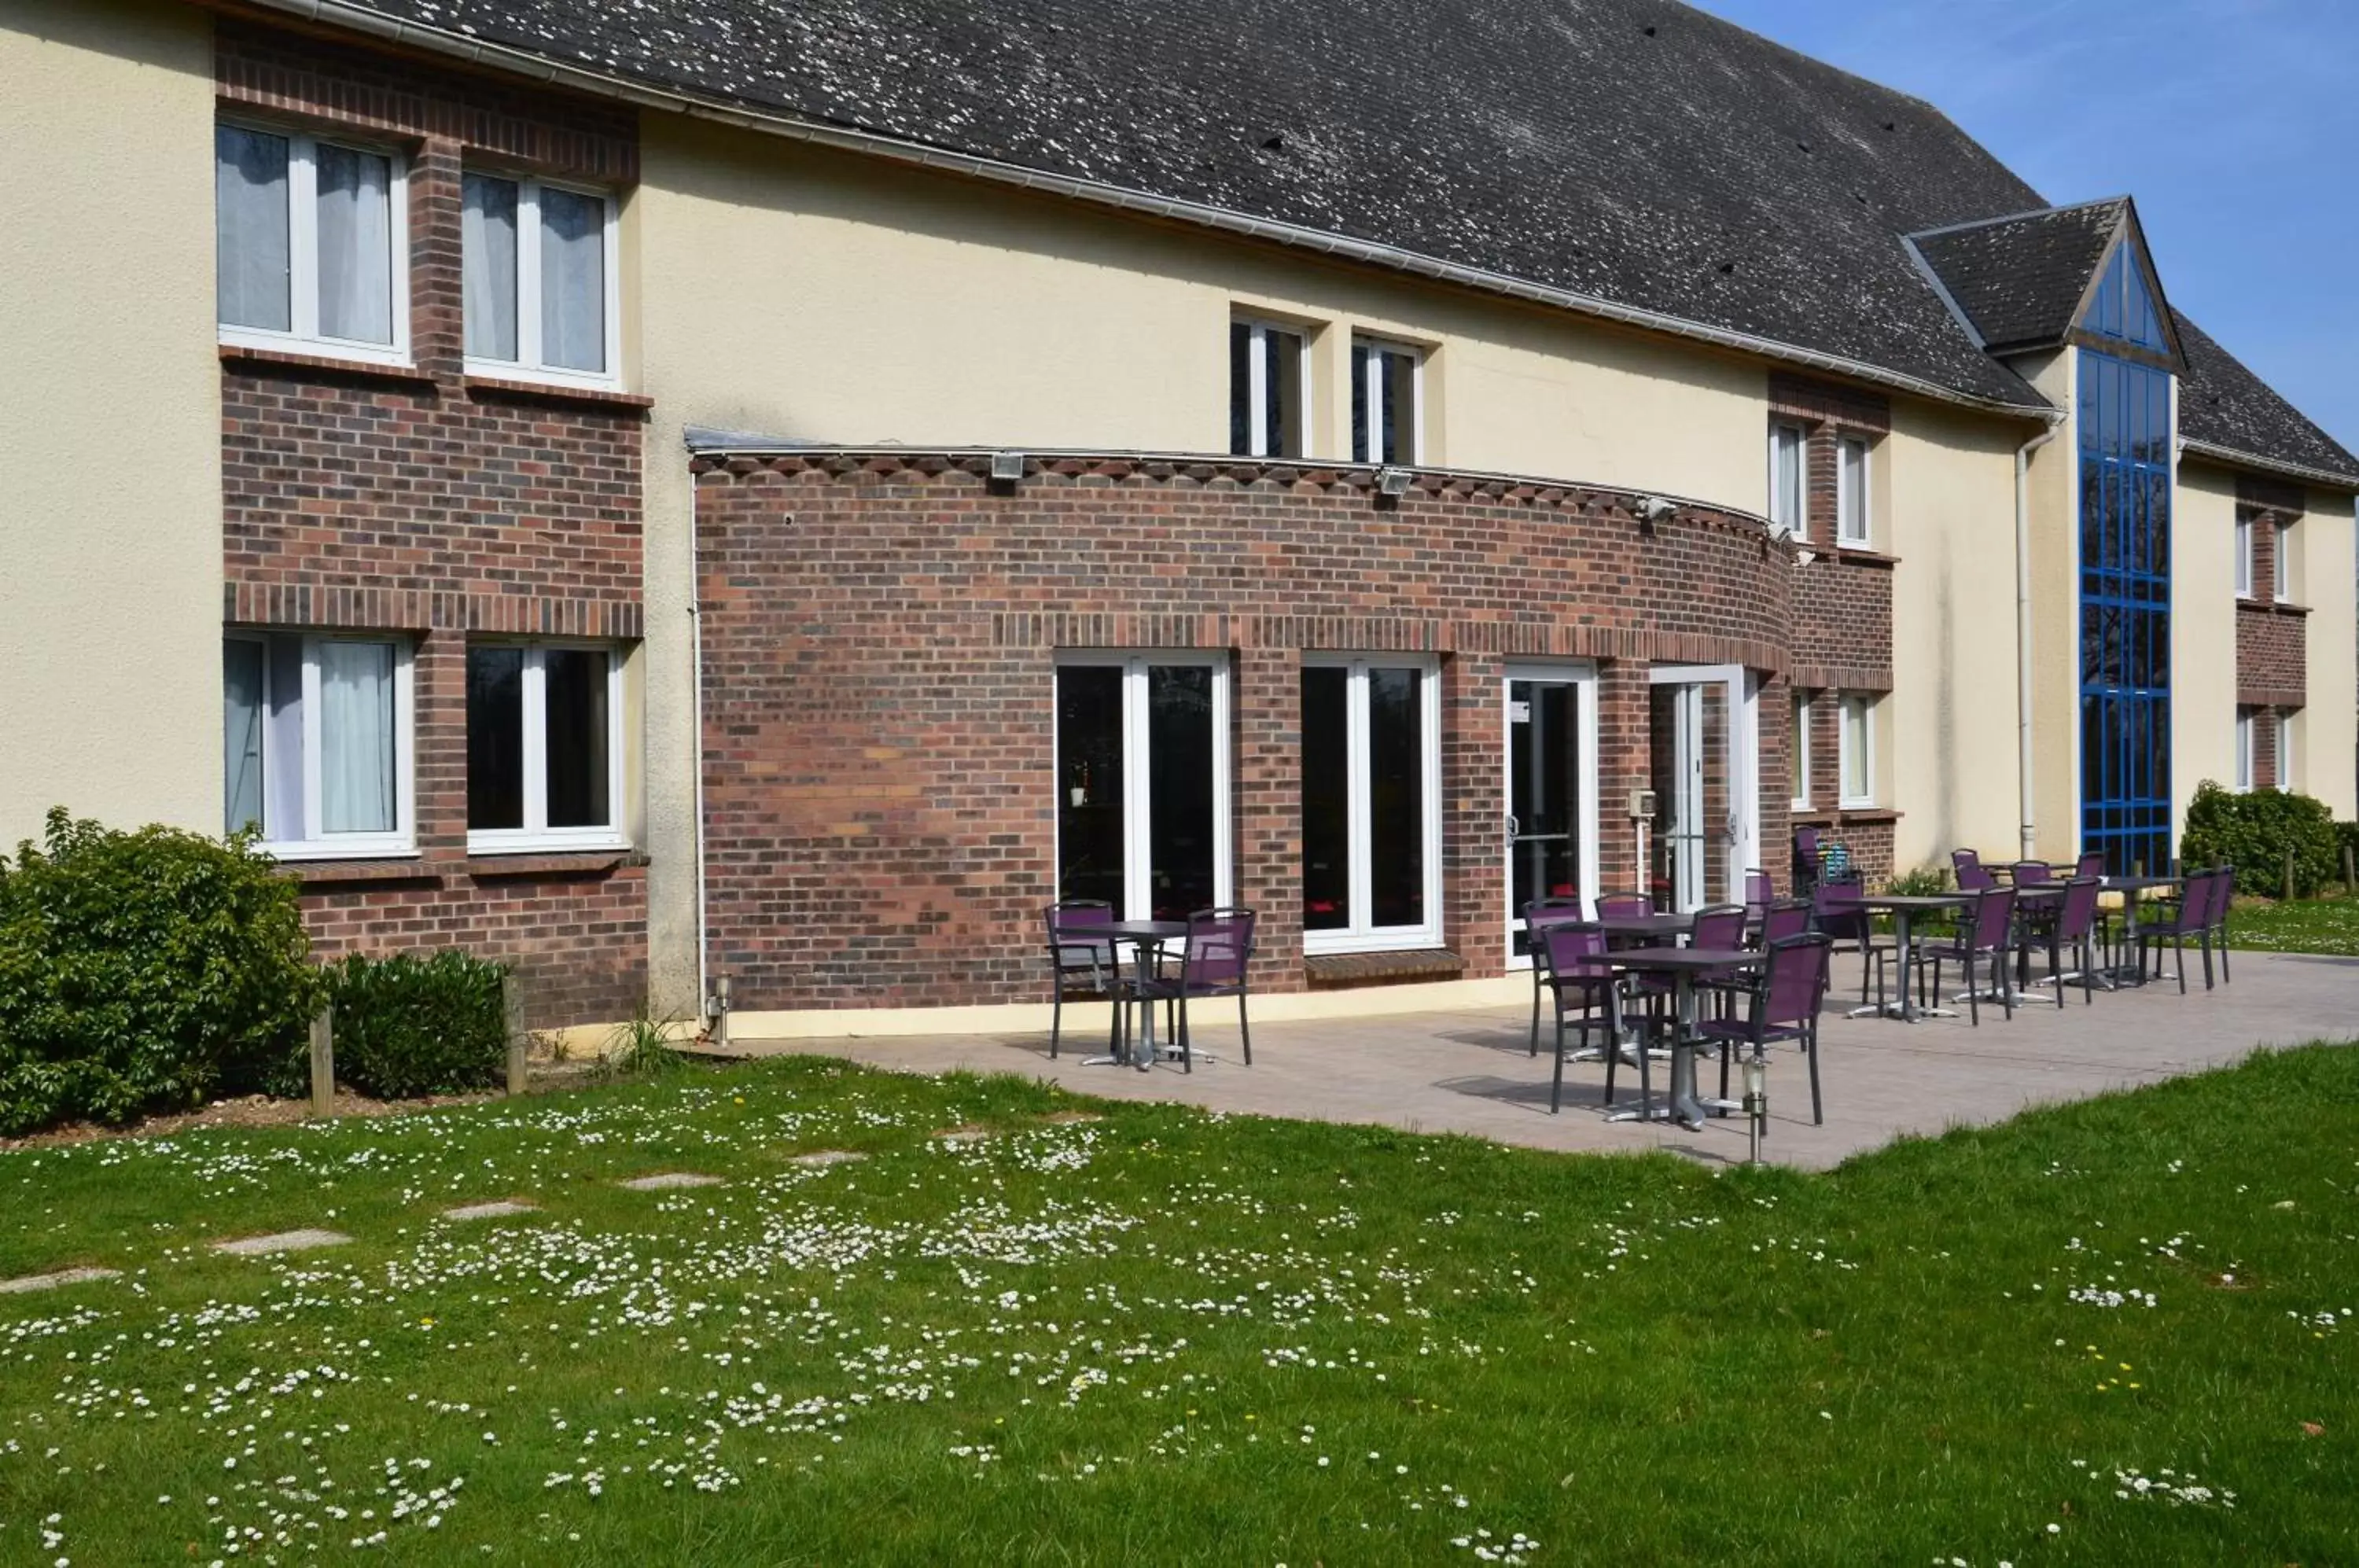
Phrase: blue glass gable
(2123, 308)
(2125, 451)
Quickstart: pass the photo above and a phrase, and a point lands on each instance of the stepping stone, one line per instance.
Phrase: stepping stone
(964, 1134)
(826, 1156)
(494, 1210)
(665, 1180)
(51, 1281)
(285, 1241)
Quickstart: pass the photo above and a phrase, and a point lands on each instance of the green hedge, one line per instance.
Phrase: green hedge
(2255, 831)
(410, 1026)
(143, 970)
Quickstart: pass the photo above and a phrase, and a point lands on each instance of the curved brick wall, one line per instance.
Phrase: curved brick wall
(879, 633)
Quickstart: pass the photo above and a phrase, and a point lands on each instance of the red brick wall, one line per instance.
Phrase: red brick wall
(879, 640)
(2272, 663)
(415, 501)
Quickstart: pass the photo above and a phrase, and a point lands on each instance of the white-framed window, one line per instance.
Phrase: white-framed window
(540, 294)
(1852, 521)
(1857, 750)
(311, 238)
(1371, 802)
(2281, 562)
(316, 743)
(1801, 751)
(2283, 737)
(1268, 366)
(1789, 466)
(1142, 768)
(1387, 395)
(544, 746)
(2243, 749)
(2244, 557)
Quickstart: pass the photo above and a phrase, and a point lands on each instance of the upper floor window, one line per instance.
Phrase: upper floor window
(1801, 751)
(1858, 748)
(1384, 414)
(2282, 750)
(2281, 562)
(540, 271)
(1265, 390)
(310, 242)
(315, 742)
(1786, 445)
(2243, 749)
(544, 746)
(2244, 557)
(1851, 494)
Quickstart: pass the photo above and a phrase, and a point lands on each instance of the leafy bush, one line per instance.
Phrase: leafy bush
(2255, 831)
(142, 972)
(643, 1047)
(409, 1026)
(1922, 883)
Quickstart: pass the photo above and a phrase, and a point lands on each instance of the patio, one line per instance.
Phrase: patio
(1468, 1072)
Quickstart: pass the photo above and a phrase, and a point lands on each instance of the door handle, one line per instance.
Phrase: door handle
(1514, 827)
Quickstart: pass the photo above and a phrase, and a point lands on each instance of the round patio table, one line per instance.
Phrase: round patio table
(1904, 908)
(1145, 938)
(2129, 888)
(1682, 964)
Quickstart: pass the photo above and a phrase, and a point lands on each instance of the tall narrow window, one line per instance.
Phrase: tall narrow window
(309, 240)
(2243, 749)
(1371, 803)
(1851, 494)
(2244, 557)
(316, 743)
(1858, 751)
(539, 264)
(1384, 403)
(2281, 562)
(544, 747)
(1265, 390)
(1801, 751)
(1142, 781)
(1786, 479)
(2282, 747)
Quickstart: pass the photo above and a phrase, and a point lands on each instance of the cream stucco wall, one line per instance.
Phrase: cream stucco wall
(2329, 733)
(2202, 634)
(1952, 725)
(109, 416)
(2051, 488)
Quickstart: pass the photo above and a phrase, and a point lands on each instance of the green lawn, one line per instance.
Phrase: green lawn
(2309, 925)
(2116, 1333)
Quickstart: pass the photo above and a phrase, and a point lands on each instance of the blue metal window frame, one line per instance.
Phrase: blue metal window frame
(2124, 437)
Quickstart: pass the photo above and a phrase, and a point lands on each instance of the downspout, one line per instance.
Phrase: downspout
(2029, 836)
(696, 752)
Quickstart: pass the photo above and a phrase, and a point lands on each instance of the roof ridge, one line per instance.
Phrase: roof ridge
(2120, 200)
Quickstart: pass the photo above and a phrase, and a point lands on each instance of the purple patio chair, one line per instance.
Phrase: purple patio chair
(2033, 873)
(2223, 893)
(2074, 931)
(1785, 1006)
(1963, 860)
(1987, 935)
(1614, 905)
(1079, 962)
(1760, 892)
(1836, 914)
(1787, 917)
(1806, 861)
(1583, 984)
(2090, 864)
(2192, 918)
(1974, 877)
(1212, 963)
(1538, 915)
(1720, 926)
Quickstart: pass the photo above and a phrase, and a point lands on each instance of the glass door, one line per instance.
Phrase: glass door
(1552, 831)
(1701, 764)
(1142, 781)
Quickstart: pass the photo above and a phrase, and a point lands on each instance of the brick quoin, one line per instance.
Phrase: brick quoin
(419, 502)
(880, 634)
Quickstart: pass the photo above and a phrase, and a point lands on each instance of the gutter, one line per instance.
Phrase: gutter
(351, 17)
(2323, 477)
(2029, 836)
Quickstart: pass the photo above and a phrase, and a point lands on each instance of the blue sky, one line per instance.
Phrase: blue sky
(2233, 123)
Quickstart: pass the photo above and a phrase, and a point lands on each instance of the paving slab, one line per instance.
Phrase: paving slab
(826, 1156)
(491, 1211)
(665, 1181)
(26, 1283)
(284, 1241)
(963, 1135)
(1469, 1071)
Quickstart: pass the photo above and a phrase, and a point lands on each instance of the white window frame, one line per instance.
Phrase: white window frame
(1137, 774)
(303, 334)
(402, 842)
(2283, 748)
(1799, 525)
(1581, 676)
(2245, 755)
(1854, 518)
(1805, 712)
(2280, 562)
(1865, 703)
(1257, 384)
(1373, 389)
(1360, 934)
(536, 836)
(527, 366)
(2244, 557)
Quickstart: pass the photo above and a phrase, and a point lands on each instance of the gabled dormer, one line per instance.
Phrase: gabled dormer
(2033, 281)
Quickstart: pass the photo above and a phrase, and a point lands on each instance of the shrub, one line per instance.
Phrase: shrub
(409, 1026)
(143, 970)
(1922, 883)
(2255, 831)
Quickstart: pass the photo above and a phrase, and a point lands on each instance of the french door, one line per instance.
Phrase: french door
(1551, 790)
(1142, 772)
(1703, 767)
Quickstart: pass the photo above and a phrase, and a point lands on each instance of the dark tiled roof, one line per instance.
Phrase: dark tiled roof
(2019, 280)
(1635, 151)
(2222, 403)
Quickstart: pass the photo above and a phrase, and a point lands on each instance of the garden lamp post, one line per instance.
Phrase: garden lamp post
(1756, 1104)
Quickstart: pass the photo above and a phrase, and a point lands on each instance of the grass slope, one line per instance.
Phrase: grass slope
(1162, 1337)
(2309, 925)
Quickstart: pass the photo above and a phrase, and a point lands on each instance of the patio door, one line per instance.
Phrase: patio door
(1552, 793)
(1701, 766)
(1142, 768)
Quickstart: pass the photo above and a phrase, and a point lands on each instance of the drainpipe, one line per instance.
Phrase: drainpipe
(2031, 833)
(696, 753)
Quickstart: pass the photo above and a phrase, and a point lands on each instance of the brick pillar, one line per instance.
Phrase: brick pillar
(1268, 804)
(1775, 792)
(1622, 739)
(1473, 797)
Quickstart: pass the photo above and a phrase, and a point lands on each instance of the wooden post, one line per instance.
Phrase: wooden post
(2350, 883)
(324, 1062)
(2289, 877)
(512, 1009)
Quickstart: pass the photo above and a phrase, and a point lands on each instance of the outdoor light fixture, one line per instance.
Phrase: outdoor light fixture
(1756, 1103)
(1658, 509)
(1008, 467)
(1393, 482)
(719, 1009)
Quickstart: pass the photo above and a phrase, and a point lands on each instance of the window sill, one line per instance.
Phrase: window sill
(522, 389)
(293, 359)
(1843, 816)
(1362, 968)
(322, 873)
(491, 864)
(2270, 607)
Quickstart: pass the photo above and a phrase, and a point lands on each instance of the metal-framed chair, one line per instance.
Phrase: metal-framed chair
(2074, 932)
(1988, 934)
(1720, 926)
(1785, 1001)
(1581, 982)
(1784, 918)
(1215, 960)
(2224, 894)
(2192, 918)
(1538, 915)
(1806, 861)
(1837, 914)
(1760, 892)
(1079, 962)
(1614, 906)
